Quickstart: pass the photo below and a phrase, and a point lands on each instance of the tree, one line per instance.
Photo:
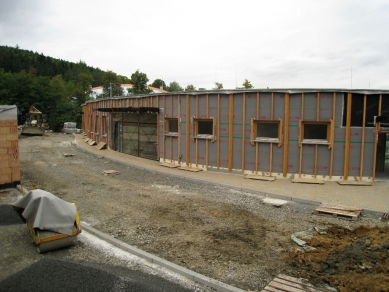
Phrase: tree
(139, 81)
(159, 83)
(174, 86)
(124, 79)
(246, 85)
(190, 87)
(219, 85)
(111, 83)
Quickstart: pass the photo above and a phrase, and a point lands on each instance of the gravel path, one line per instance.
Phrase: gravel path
(220, 232)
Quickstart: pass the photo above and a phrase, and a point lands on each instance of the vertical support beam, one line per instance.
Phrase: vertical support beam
(230, 132)
(171, 138)
(300, 135)
(363, 139)
(316, 146)
(286, 134)
(164, 129)
(332, 134)
(347, 138)
(207, 141)
(377, 130)
(197, 140)
(179, 129)
(243, 131)
(187, 130)
(158, 127)
(257, 144)
(218, 133)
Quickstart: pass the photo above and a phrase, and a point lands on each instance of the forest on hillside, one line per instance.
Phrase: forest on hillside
(56, 87)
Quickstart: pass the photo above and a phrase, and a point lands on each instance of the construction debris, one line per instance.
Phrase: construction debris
(337, 210)
(284, 283)
(274, 202)
(111, 171)
(68, 154)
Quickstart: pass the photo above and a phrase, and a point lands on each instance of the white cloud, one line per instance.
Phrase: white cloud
(302, 43)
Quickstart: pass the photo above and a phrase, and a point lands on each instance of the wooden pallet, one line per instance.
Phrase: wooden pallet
(337, 210)
(283, 283)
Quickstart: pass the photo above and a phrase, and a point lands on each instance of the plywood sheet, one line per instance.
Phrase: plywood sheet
(308, 180)
(260, 177)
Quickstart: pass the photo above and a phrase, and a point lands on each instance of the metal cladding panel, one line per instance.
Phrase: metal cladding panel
(278, 154)
(339, 109)
(212, 153)
(237, 132)
(308, 162)
(251, 107)
(368, 160)
(279, 106)
(249, 159)
(263, 157)
(324, 159)
(310, 101)
(224, 124)
(202, 101)
(201, 152)
(265, 106)
(355, 158)
(176, 99)
(338, 163)
(293, 157)
(294, 109)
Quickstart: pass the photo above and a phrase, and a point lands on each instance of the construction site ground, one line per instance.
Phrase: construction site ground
(217, 224)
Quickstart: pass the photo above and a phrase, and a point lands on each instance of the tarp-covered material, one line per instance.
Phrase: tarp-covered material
(46, 211)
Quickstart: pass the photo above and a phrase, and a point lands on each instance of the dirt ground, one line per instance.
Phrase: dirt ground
(223, 233)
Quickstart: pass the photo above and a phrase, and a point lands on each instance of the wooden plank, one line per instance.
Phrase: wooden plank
(101, 145)
(170, 165)
(308, 180)
(260, 177)
(352, 214)
(340, 207)
(284, 283)
(192, 169)
(355, 183)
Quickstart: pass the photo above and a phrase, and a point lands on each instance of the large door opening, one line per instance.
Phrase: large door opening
(382, 158)
(136, 134)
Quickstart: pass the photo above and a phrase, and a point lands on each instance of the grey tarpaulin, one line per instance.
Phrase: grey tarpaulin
(46, 211)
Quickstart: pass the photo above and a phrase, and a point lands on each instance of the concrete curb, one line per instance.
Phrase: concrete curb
(217, 285)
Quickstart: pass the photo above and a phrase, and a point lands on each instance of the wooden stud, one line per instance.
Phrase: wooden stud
(158, 121)
(218, 133)
(207, 141)
(243, 131)
(363, 138)
(230, 132)
(286, 134)
(197, 140)
(332, 133)
(376, 133)
(252, 131)
(348, 135)
(316, 146)
(271, 158)
(164, 129)
(179, 129)
(301, 134)
(187, 157)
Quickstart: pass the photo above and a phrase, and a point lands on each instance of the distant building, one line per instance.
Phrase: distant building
(96, 91)
(302, 134)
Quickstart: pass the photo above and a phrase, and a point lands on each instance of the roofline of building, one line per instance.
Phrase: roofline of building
(265, 90)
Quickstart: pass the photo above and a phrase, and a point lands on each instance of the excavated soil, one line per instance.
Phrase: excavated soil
(217, 231)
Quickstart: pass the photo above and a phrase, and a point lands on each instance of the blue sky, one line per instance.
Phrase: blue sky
(276, 44)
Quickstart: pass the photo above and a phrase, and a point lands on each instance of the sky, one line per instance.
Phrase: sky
(275, 44)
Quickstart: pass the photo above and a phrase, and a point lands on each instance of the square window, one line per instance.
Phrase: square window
(315, 132)
(266, 131)
(171, 126)
(203, 128)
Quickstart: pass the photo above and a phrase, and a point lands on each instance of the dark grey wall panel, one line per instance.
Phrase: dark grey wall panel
(278, 159)
(293, 157)
(323, 160)
(279, 106)
(308, 159)
(264, 157)
(310, 101)
(264, 106)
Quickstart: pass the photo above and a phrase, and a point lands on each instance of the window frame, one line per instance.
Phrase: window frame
(167, 131)
(259, 139)
(195, 129)
(330, 133)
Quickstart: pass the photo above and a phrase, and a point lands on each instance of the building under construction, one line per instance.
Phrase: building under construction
(309, 135)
